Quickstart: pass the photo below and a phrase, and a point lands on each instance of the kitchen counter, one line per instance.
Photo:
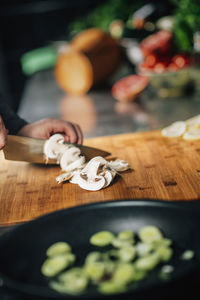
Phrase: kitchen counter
(98, 113)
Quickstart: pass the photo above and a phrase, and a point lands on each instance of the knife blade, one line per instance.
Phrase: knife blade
(20, 148)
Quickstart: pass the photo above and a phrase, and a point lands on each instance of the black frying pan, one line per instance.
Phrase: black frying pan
(22, 250)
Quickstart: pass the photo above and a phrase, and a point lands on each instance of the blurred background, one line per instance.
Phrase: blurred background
(157, 41)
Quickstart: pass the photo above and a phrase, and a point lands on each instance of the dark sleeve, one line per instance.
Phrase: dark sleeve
(11, 120)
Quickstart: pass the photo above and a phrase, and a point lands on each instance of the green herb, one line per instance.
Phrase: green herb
(104, 14)
(186, 23)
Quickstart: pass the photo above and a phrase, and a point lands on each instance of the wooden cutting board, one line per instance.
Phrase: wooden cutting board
(162, 168)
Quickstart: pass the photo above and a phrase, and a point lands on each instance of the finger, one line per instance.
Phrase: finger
(79, 133)
(70, 132)
(3, 134)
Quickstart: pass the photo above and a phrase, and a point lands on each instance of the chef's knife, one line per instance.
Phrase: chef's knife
(21, 148)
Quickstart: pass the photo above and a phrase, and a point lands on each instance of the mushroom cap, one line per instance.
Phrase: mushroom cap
(95, 161)
(70, 155)
(118, 165)
(108, 175)
(75, 176)
(76, 164)
(89, 179)
(51, 146)
(91, 185)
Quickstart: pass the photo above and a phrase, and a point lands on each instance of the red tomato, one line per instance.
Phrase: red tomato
(159, 42)
(151, 60)
(172, 67)
(159, 68)
(144, 68)
(181, 60)
(129, 87)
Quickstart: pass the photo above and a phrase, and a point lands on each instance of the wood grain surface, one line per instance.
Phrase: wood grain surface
(161, 168)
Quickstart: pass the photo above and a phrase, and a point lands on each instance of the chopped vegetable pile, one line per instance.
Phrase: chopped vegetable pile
(189, 129)
(115, 265)
(98, 173)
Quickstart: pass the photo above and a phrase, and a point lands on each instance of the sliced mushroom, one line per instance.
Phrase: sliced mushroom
(52, 146)
(108, 178)
(90, 165)
(91, 185)
(76, 164)
(68, 157)
(89, 179)
(118, 165)
(64, 177)
(98, 173)
(75, 176)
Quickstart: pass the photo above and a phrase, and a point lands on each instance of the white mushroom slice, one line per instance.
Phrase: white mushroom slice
(51, 146)
(91, 169)
(69, 156)
(95, 161)
(77, 164)
(88, 178)
(118, 165)
(75, 176)
(193, 122)
(64, 177)
(91, 185)
(108, 175)
(176, 129)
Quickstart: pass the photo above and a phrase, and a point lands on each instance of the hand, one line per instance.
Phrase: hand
(45, 128)
(3, 134)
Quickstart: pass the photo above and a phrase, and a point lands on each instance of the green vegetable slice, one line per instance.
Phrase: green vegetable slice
(162, 242)
(165, 253)
(126, 235)
(147, 263)
(139, 275)
(165, 272)
(95, 270)
(119, 243)
(102, 238)
(187, 255)
(75, 280)
(110, 287)
(92, 257)
(149, 234)
(127, 254)
(55, 264)
(58, 248)
(124, 273)
(144, 249)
